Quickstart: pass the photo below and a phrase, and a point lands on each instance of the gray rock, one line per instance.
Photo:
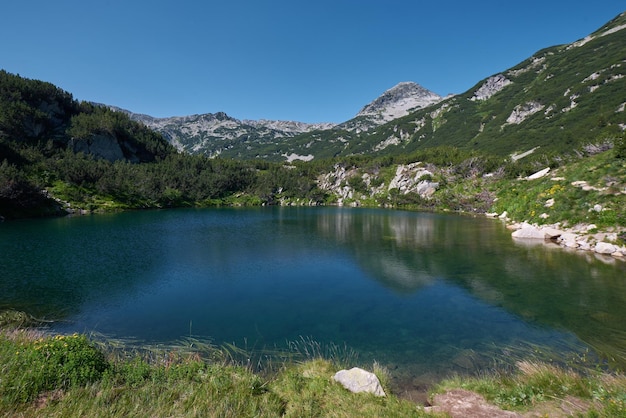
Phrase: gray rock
(427, 188)
(358, 380)
(490, 87)
(398, 101)
(100, 145)
(551, 233)
(605, 248)
(569, 239)
(539, 174)
(522, 112)
(529, 232)
(413, 178)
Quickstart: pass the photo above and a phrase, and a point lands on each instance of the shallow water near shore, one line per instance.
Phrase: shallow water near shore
(425, 295)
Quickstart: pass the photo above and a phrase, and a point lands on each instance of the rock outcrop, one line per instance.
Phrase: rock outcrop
(528, 231)
(413, 178)
(539, 174)
(522, 112)
(409, 178)
(490, 87)
(103, 146)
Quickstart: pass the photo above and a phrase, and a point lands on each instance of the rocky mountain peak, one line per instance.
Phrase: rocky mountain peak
(398, 101)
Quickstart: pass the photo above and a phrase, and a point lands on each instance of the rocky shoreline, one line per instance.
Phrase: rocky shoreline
(581, 237)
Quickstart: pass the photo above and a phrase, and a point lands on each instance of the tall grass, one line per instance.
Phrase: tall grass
(306, 348)
(532, 384)
(45, 375)
(73, 375)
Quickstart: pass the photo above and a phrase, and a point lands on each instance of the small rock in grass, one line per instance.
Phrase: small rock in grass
(358, 380)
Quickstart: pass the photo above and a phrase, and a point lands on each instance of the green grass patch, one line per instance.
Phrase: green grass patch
(69, 375)
(72, 375)
(535, 383)
(31, 366)
(589, 190)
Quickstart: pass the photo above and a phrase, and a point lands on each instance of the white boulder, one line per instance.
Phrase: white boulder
(358, 380)
(539, 174)
(605, 248)
(569, 240)
(528, 232)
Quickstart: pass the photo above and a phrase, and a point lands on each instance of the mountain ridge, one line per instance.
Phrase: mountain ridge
(210, 133)
(213, 133)
(560, 98)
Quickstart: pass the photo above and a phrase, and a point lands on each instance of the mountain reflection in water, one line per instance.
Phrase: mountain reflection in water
(426, 293)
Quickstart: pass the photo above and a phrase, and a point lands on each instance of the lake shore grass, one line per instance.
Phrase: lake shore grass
(74, 375)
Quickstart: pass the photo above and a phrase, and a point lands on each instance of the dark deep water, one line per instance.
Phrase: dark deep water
(423, 294)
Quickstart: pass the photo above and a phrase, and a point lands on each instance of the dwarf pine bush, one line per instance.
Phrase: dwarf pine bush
(48, 363)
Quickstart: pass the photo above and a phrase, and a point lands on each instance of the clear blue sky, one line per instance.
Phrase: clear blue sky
(313, 61)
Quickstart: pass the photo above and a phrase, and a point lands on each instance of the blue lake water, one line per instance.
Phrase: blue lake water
(423, 294)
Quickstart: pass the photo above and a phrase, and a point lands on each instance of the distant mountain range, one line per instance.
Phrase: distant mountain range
(560, 98)
(215, 133)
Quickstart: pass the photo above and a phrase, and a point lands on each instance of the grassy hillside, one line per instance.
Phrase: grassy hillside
(561, 98)
(39, 114)
(579, 89)
(59, 155)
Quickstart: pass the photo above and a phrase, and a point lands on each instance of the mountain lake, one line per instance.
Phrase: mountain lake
(425, 295)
